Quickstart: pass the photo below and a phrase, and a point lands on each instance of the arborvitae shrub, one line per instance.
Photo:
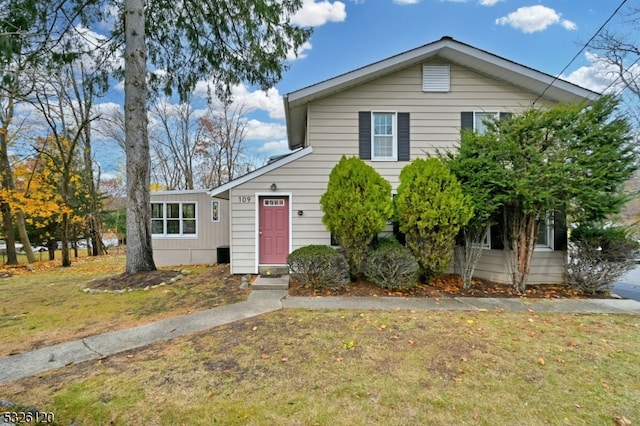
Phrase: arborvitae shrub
(431, 208)
(356, 206)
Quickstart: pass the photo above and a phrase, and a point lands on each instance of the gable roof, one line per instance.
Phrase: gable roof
(295, 103)
(272, 165)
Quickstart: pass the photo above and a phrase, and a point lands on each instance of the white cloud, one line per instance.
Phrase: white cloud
(314, 14)
(406, 1)
(599, 76)
(531, 19)
(293, 55)
(258, 100)
(269, 101)
(274, 147)
(488, 2)
(569, 25)
(259, 130)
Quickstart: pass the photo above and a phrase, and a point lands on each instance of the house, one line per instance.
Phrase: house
(387, 113)
(188, 227)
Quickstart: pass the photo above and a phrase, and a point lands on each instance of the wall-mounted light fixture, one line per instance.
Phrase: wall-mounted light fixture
(274, 186)
(300, 212)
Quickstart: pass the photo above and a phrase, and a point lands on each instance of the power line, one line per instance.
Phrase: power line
(581, 50)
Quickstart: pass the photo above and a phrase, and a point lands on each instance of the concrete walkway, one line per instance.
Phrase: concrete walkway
(269, 300)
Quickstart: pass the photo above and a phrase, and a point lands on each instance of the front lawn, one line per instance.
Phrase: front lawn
(296, 367)
(47, 306)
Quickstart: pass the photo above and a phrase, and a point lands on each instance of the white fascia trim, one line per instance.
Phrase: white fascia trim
(261, 171)
(443, 47)
(180, 192)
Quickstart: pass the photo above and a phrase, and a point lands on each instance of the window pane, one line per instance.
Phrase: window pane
(382, 146)
(382, 124)
(189, 211)
(189, 226)
(215, 211)
(173, 210)
(479, 121)
(173, 226)
(156, 210)
(157, 227)
(543, 233)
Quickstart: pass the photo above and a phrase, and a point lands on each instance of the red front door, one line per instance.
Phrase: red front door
(273, 230)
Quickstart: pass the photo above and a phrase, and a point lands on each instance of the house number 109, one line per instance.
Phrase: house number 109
(244, 199)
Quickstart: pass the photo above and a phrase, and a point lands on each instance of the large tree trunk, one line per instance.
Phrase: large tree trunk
(10, 241)
(6, 182)
(139, 249)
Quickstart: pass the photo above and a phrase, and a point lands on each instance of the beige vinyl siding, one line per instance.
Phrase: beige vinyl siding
(332, 131)
(547, 267)
(172, 251)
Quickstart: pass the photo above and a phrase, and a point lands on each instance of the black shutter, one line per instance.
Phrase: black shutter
(466, 120)
(404, 146)
(364, 134)
(559, 231)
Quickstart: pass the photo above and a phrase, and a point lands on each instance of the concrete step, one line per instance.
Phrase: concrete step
(272, 282)
(273, 270)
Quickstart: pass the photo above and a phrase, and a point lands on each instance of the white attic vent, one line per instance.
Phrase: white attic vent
(435, 78)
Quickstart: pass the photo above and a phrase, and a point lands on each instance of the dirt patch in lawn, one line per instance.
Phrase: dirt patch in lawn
(449, 285)
(140, 280)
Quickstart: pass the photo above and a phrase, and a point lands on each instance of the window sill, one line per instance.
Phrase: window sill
(173, 237)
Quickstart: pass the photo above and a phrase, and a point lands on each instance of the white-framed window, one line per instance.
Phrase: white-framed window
(174, 219)
(480, 119)
(384, 136)
(273, 202)
(544, 239)
(486, 240)
(485, 243)
(215, 210)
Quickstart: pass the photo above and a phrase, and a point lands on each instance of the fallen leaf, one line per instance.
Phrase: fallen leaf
(622, 421)
(540, 361)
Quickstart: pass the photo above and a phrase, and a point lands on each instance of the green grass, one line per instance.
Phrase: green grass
(296, 367)
(47, 306)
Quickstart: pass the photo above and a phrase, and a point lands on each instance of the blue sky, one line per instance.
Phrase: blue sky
(348, 34)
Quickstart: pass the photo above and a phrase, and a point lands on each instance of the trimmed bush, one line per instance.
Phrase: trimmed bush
(391, 265)
(356, 206)
(318, 266)
(431, 208)
(598, 256)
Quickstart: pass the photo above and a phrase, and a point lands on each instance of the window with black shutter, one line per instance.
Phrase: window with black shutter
(384, 136)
